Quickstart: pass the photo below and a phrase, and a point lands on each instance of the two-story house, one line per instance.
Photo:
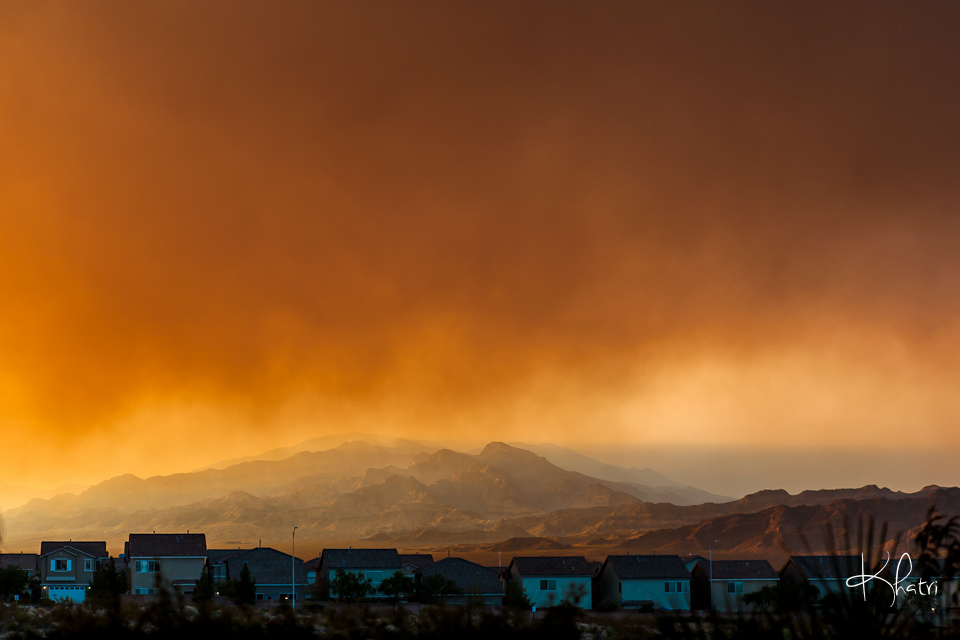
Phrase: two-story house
(659, 582)
(828, 573)
(274, 573)
(371, 564)
(722, 584)
(476, 584)
(551, 580)
(176, 559)
(66, 568)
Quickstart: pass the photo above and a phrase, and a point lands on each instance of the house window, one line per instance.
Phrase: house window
(620, 587)
(734, 587)
(61, 564)
(259, 596)
(147, 566)
(376, 577)
(145, 592)
(88, 564)
(675, 587)
(548, 585)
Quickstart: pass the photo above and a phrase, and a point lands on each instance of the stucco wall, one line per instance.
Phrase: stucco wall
(531, 585)
(171, 569)
(653, 590)
(76, 575)
(724, 601)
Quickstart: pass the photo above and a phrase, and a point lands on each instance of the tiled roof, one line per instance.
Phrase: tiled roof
(553, 566)
(470, 577)
(159, 545)
(739, 569)
(92, 549)
(649, 567)
(827, 567)
(218, 556)
(25, 561)
(419, 560)
(361, 558)
(312, 565)
(267, 566)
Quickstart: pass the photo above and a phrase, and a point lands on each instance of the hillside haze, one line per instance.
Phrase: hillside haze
(392, 492)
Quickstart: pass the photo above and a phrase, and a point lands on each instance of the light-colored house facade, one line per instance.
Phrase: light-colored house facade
(658, 582)
(550, 580)
(731, 581)
(177, 560)
(372, 564)
(66, 568)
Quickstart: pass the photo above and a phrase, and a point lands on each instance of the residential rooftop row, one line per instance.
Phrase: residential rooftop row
(658, 582)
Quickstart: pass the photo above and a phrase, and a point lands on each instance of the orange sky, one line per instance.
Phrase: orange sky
(229, 226)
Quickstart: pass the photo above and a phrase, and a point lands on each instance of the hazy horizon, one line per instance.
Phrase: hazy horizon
(729, 471)
(719, 240)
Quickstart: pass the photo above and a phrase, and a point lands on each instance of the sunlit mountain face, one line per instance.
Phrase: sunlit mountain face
(718, 244)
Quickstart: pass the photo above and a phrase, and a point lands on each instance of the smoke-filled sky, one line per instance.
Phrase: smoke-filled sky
(229, 226)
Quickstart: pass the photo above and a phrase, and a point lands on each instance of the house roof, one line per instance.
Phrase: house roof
(218, 556)
(267, 566)
(92, 549)
(739, 569)
(312, 565)
(419, 560)
(826, 567)
(648, 567)
(159, 545)
(470, 577)
(689, 561)
(361, 558)
(552, 566)
(25, 561)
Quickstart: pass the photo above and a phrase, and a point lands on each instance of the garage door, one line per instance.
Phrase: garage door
(77, 594)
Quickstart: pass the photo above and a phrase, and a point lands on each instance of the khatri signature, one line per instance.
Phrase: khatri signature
(920, 587)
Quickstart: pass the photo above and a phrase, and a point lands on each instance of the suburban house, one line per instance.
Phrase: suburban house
(658, 582)
(732, 580)
(478, 584)
(66, 568)
(311, 567)
(655, 582)
(26, 561)
(827, 573)
(178, 559)
(372, 564)
(412, 564)
(549, 580)
(273, 572)
(689, 561)
(217, 563)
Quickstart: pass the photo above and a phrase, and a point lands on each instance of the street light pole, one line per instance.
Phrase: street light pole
(293, 571)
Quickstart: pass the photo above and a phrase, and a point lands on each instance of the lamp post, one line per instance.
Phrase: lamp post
(711, 574)
(293, 572)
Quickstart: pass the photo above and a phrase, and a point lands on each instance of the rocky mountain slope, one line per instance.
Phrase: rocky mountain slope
(401, 496)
